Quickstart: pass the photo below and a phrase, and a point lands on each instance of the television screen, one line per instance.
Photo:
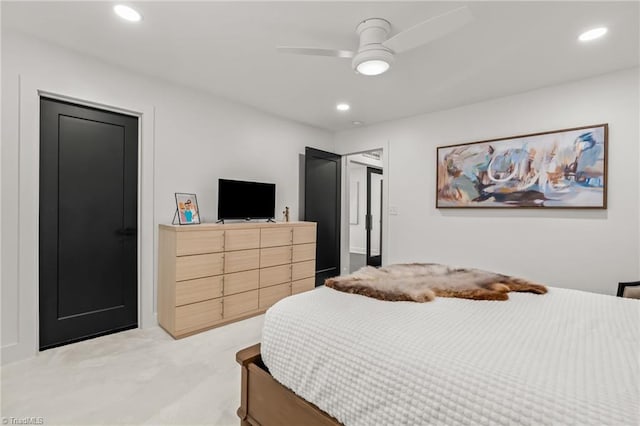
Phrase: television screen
(246, 200)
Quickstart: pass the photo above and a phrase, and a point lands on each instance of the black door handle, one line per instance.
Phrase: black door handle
(127, 232)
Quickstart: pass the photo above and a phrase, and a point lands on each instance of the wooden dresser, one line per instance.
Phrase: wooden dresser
(210, 275)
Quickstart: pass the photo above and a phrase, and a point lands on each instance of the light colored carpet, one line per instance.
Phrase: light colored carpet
(133, 377)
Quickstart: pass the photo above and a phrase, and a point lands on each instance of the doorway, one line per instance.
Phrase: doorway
(88, 222)
(365, 179)
(374, 216)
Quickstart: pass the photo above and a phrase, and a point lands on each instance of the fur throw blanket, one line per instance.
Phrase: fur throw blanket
(422, 282)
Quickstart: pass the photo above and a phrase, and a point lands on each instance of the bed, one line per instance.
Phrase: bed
(327, 357)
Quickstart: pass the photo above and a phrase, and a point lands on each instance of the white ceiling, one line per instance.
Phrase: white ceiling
(228, 49)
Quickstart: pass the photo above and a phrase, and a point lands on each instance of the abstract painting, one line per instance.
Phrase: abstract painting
(559, 169)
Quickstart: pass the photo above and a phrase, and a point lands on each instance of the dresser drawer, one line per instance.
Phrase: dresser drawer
(199, 242)
(304, 234)
(198, 266)
(301, 286)
(198, 315)
(241, 281)
(303, 270)
(275, 275)
(275, 256)
(243, 260)
(302, 252)
(270, 295)
(191, 291)
(241, 303)
(241, 239)
(273, 237)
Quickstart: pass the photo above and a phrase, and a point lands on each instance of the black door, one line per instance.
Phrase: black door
(88, 216)
(322, 205)
(374, 216)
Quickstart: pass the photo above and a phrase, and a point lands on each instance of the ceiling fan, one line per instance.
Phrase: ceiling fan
(376, 51)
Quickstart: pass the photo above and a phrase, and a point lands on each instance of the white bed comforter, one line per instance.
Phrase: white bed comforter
(567, 357)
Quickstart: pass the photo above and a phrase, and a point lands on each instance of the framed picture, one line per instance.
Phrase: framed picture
(187, 209)
(559, 169)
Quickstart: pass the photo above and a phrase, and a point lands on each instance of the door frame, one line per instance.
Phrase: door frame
(29, 93)
(345, 263)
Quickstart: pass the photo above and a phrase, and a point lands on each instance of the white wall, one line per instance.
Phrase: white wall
(583, 249)
(179, 126)
(357, 231)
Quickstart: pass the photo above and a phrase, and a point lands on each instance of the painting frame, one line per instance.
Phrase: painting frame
(600, 188)
(190, 216)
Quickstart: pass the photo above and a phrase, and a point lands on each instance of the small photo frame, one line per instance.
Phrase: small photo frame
(187, 209)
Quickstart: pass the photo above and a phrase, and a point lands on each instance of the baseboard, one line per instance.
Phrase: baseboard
(15, 352)
(150, 324)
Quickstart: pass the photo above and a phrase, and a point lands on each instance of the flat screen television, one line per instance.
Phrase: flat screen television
(246, 200)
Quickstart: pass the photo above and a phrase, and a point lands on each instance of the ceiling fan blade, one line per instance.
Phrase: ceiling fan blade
(429, 30)
(315, 51)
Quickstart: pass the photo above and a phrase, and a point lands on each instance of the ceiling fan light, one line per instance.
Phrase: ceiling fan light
(373, 61)
(373, 67)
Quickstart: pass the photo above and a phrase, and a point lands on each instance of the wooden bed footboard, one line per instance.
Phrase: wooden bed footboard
(265, 402)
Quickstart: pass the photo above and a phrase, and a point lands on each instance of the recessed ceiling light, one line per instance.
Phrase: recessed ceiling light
(343, 107)
(127, 13)
(356, 123)
(592, 34)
